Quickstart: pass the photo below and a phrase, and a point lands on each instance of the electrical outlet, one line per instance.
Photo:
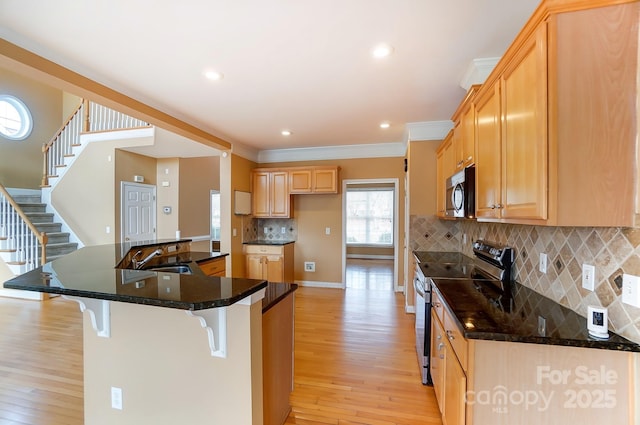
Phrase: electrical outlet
(327, 230)
(116, 398)
(543, 263)
(309, 266)
(631, 290)
(266, 230)
(283, 230)
(588, 277)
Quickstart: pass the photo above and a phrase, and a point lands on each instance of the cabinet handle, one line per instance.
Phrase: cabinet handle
(437, 305)
(440, 346)
(469, 158)
(439, 336)
(450, 335)
(499, 206)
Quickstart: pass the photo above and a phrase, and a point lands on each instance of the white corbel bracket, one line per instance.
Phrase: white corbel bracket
(214, 321)
(99, 312)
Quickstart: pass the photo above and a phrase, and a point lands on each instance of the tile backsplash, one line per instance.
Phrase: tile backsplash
(613, 251)
(254, 229)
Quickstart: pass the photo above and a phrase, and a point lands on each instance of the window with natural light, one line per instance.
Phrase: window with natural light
(370, 216)
(15, 118)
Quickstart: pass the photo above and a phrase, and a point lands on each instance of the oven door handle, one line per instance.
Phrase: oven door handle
(418, 287)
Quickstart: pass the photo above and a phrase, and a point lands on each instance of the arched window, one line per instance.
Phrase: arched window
(15, 119)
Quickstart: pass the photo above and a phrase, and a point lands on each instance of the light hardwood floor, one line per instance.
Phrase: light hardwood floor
(354, 354)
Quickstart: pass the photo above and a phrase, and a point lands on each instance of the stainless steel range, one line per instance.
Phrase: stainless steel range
(490, 271)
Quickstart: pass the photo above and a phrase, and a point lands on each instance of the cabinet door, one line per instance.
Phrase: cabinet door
(280, 196)
(440, 180)
(455, 389)
(457, 146)
(300, 181)
(254, 267)
(524, 135)
(325, 181)
(260, 196)
(467, 129)
(275, 268)
(488, 160)
(437, 358)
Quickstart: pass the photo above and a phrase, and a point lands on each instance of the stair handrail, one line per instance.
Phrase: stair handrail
(8, 231)
(72, 122)
(88, 117)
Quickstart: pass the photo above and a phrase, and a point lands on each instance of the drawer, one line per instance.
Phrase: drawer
(263, 249)
(213, 267)
(436, 304)
(457, 341)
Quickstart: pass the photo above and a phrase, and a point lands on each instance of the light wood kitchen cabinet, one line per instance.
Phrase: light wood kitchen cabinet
(313, 180)
(524, 130)
(464, 142)
(273, 263)
(448, 376)
(444, 169)
(214, 267)
(271, 196)
(568, 117)
(488, 154)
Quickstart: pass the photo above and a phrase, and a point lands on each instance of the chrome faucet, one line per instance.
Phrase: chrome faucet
(140, 264)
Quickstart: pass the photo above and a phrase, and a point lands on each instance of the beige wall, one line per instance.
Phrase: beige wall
(422, 176)
(21, 161)
(127, 165)
(168, 196)
(239, 178)
(198, 177)
(313, 213)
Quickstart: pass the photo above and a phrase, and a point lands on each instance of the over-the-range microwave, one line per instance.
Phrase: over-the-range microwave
(460, 196)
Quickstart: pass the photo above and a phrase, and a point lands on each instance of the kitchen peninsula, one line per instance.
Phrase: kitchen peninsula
(161, 347)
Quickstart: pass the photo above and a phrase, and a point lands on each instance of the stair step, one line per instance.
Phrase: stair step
(27, 199)
(48, 227)
(39, 217)
(33, 206)
(57, 237)
(59, 249)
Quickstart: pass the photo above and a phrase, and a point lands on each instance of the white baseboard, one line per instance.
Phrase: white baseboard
(369, 257)
(410, 309)
(316, 284)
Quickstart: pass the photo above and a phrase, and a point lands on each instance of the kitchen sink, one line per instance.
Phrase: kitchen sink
(181, 268)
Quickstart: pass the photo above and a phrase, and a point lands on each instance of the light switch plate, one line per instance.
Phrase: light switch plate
(543, 263)
(588, 277)
(631, 290)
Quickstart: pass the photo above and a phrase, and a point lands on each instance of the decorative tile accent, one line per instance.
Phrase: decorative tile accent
(613, 251)
(254, 229)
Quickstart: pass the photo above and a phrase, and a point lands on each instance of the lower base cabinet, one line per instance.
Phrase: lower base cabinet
(277, 361)
(215, 267)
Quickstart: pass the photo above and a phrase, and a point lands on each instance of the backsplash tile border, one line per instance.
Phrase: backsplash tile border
(612, 251)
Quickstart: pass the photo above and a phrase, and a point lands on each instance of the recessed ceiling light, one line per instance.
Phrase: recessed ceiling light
(385, 125)
(286, 133)
(214, 75)
(382, 51)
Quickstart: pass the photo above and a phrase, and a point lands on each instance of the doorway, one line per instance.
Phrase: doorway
(370, 228)
(138, 221)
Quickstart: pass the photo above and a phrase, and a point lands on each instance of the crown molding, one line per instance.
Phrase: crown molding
(478, 71)
(427, 130)
(377, 150)
(245, 151)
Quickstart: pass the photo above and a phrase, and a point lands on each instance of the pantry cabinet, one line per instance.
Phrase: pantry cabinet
(271, 196)
(273, 263)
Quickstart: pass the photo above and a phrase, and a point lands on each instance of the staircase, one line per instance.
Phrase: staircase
(58, 242)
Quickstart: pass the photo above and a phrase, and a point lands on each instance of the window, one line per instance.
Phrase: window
(370, 216)
(15, 118)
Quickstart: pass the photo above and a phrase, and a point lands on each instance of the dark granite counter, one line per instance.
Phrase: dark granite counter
(267, 242)
(481, 314)
(275, 293)
(90, 272)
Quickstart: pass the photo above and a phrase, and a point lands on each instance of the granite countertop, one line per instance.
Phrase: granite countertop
(267, 242)
(90, 272)
(480, 314)
(275, 293)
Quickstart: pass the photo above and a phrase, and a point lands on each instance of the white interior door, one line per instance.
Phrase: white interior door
(138, 212)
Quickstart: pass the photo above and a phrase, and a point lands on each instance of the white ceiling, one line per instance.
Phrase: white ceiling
(303, 65)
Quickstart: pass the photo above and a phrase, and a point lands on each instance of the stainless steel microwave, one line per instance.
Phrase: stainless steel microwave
(460, 197)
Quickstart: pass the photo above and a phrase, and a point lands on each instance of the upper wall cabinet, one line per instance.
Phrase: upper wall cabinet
(445, 168)
(464, 141)
(270, 193)
(566, 94)
(313, 180)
